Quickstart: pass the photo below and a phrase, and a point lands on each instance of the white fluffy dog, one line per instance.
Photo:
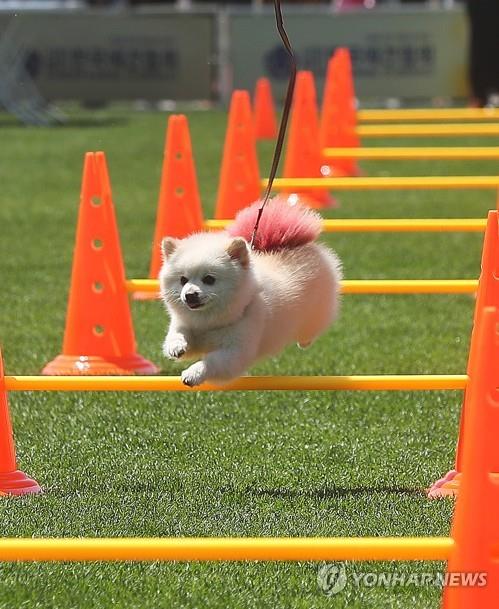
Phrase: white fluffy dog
(230, 305)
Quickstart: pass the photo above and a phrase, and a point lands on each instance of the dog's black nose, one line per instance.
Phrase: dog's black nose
(192, 298)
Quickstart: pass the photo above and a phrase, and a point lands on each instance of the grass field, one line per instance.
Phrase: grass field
(225, 464)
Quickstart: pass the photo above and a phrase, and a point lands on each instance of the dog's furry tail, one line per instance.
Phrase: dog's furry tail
(282, 226)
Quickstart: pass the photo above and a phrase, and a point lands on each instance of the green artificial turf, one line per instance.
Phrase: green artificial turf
(250, 464)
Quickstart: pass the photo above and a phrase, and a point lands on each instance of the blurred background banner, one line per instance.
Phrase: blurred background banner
(106, 56)
(404, 54)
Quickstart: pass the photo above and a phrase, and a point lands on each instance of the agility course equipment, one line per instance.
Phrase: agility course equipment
(338, 115)
(427, 114)
(264, 111)
(361, 286)
(487, 296)
(425, 153)
(475, 528)
(12, 480)
(429, 130)
(227, 548)
(403, 225)
(391, 183)
(239, 182)
(406, 382)
(99, 336)
(303, 154)
(339, 128)
(471, 548)
(179, 210)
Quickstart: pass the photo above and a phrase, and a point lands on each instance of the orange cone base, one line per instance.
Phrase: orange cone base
(448, 486)
(326, 202)
(146, 296)
(18, 483)
(93, 365)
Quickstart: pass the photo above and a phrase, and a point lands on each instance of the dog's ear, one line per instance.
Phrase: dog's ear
(238, 250)
(168, 246)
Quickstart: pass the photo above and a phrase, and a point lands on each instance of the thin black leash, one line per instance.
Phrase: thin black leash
(285, 115)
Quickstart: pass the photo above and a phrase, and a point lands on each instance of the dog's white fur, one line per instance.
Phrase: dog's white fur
(258, 304)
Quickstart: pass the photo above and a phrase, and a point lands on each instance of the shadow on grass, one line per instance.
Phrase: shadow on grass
(165, 487)
(332, 492)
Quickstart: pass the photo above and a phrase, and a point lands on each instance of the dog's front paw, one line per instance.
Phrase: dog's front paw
(194, 375)
(175, 348)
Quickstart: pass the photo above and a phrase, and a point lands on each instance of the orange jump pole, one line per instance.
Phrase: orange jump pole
(239, 184)
(303, 150)
(179, 206)
(99, 336)
(487, 296)
(12, 480)
(264, 111)
(475, 527)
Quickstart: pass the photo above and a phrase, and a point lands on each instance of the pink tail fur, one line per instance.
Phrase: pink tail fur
(281, 226)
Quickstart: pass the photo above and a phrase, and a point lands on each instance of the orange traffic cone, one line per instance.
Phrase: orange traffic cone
(265, 116)
(339, 115)
(12, 481)
(99, 336)
(487, 296)
(179, 206)
(239, 184)
(303, 153)
(473, 568)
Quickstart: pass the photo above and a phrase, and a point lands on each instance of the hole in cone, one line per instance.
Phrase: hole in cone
(98, 287)
(96, 201)
(97, 244)
(98, 330)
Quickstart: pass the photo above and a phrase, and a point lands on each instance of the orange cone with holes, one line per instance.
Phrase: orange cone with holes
(264, 111)
(179, 206)
(303, 153)
(12, 480)
(339, 115)
(239, 184)
(473, 567)
(99, 336)
(487, 296)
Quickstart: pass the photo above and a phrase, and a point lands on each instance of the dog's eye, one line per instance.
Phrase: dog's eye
(208, 279)
(183, 280)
